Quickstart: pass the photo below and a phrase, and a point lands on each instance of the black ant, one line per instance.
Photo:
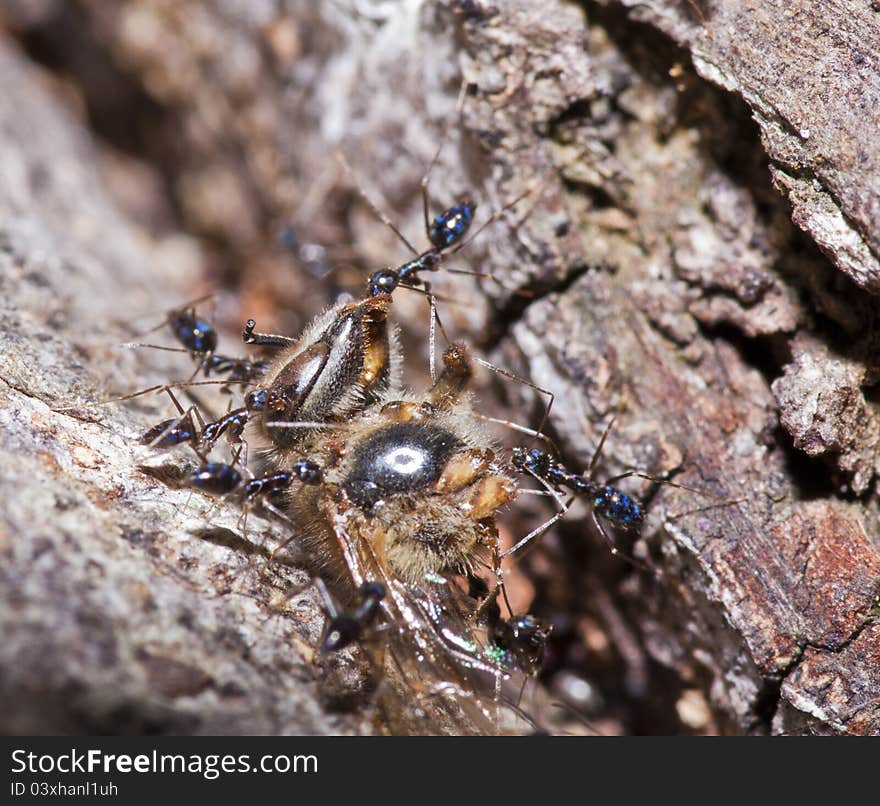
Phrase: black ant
(608, 501)
(605, 500)
(218, 478)
(444, 232)
(519, 641)
(347, 626)
(221, 479)
(199, 338)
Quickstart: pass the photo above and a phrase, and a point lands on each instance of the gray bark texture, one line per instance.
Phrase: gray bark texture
(696, 257)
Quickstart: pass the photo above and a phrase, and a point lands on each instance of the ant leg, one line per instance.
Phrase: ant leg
(538, 531)
(432, 339)
(241, 523)
(133, 345)
(522, 429)
(377, 211)
(434, 323)
(284, 544)
(496, 216)
(535, 187)
(264, 339)
(457, 373)
(190, 305)
(616, 551)
(271, 558)
(176, 403)
(193, 409)
(440, 297)
(598, 452)
(660, 480)
(486, 604)
(161, 387)
(520, 292)
(326, 598)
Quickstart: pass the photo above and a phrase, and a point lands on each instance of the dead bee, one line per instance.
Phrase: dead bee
(408, 493)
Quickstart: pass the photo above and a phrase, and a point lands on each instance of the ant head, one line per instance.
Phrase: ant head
(523, 639)
(530, 629)
(256, 400)
(450, 226)
(384, 281)
(341, 631)
(533, 461)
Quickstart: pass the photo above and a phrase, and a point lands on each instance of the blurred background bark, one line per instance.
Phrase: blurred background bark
(698, 258)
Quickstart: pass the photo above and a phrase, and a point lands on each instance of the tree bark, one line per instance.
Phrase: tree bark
(696, 259)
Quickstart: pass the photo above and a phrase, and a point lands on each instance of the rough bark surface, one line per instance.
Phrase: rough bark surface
(123, 609)
(656, 275)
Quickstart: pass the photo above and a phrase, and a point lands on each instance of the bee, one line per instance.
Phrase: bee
(404, 495)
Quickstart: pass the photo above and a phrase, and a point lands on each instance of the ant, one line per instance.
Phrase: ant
(444, 232)
(518, 641)
(200, 339)
(605, 500)
(221, 479)
(347, 626)
(218, 478)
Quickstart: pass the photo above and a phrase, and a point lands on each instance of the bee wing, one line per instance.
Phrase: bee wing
(437, 677)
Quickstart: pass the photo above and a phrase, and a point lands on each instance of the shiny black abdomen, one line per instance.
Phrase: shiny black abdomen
(401, 458)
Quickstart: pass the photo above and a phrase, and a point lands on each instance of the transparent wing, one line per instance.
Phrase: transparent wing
(438, 674)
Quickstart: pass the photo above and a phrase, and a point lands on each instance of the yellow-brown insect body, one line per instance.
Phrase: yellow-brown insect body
(418, 485)
(408, 498)
(345, 360)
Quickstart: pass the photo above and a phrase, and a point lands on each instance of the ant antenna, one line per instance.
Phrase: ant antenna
(539, 433)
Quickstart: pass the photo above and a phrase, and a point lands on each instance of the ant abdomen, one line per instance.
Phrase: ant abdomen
(214, 478)
(618, 507)
(452, 224)
(171, 433)
(196, 334)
